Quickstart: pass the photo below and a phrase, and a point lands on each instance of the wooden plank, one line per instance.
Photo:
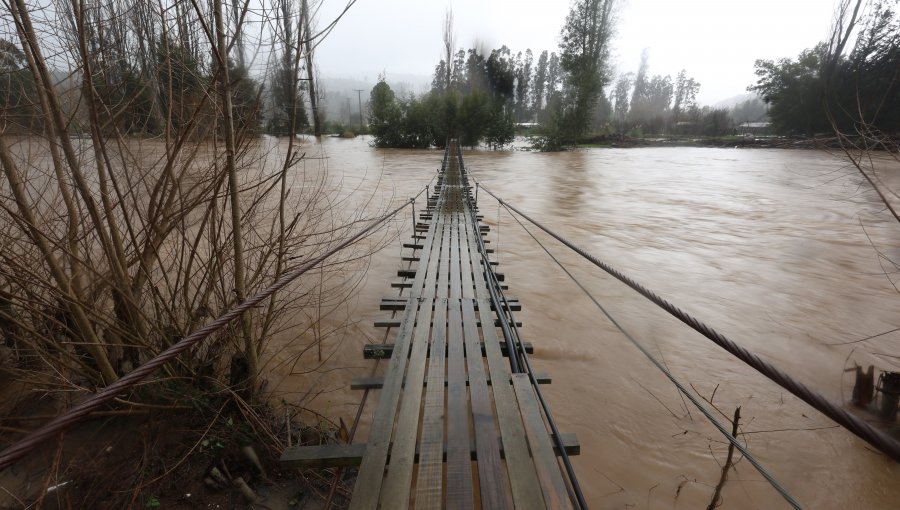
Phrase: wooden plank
(382, 351)
(495, 491)
(443, 282)
(375, 383)
(455, 268)
(466, 262)
(367, 489)
(350, 455)
(394, 323)
(368, 481)
(459, 466)
(395, 492)
(552, 484)
(523, 478)
(323, 456)
(395, 303)
(522, 475)
(427, 289)
(430, 477)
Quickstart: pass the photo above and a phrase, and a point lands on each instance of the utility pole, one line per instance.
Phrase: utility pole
(359, 95)
(349, 114)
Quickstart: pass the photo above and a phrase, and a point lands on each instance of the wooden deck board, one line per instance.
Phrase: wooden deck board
(371, 471)
(522, 476)
(437, 411)
(429, 484)
(552, 484)
(468, 286)
(366, 492)
(443, 283)
(350, 455)
(395, 493)
(491, 475)
(459, 465)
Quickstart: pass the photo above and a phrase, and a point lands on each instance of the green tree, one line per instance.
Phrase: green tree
(384, 115)
(523, 85)
(825, 89)
(539, 84)
(474, 114)
(287, 100)
(795, 92)
(182, 81)
(246, 100)
(415, 127)
(500, 129)
(620, 97)
(686, 90)
(639, 111)
(18, 108)
(443, 112)
(584, 56)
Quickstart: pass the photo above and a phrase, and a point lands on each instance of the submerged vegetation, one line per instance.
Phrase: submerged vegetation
(139, 204)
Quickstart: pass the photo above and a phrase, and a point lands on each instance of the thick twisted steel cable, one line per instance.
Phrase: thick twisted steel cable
(662, 368)
(91, 404)
(881, 441)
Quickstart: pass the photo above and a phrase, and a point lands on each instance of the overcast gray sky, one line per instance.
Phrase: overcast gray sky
(717, 41)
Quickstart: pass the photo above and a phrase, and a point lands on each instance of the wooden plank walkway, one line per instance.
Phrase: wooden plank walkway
(453, 428)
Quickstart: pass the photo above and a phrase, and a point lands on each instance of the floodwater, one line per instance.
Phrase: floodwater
(774, 248)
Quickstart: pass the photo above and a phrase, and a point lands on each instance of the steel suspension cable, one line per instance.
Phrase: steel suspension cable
(91, 404)
(881, 441)
(733, 440)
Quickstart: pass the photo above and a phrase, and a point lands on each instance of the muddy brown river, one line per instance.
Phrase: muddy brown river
(774, 248)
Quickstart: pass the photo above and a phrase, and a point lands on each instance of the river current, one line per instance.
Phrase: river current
(789, 253)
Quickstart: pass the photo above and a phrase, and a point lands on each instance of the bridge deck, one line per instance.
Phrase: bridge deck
(453, 427)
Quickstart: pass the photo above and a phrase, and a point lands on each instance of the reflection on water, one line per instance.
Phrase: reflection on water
(767, 246)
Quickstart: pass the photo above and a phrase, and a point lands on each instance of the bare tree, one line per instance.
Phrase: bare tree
(152, 206)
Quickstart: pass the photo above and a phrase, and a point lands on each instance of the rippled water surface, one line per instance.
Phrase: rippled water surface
(774, 248)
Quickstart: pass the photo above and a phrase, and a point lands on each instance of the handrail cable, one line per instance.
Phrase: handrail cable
(75, 414)
(508, 337)
(733, 440)
(881, 441)
(502, 308)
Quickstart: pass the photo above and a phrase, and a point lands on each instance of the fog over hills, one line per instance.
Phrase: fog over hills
(340, 99)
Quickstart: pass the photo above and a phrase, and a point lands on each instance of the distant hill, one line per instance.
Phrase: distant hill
(733, 101)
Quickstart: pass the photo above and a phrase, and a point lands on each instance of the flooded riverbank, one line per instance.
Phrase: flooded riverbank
(772, 247)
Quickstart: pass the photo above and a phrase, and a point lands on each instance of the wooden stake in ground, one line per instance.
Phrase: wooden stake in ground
(717, 496)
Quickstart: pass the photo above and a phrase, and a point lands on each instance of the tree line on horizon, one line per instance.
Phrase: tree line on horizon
(481, 95)
(150, 75)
